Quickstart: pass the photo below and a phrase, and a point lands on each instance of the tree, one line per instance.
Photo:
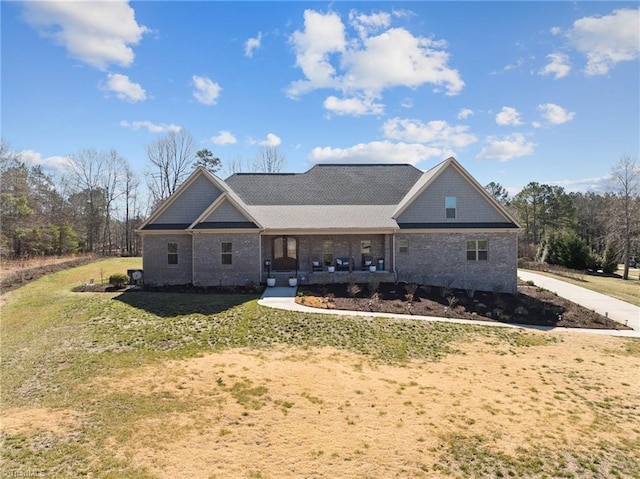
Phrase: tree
(269, 160)
(498, 192)
(208, 161)
(624, 208)
(171, 159)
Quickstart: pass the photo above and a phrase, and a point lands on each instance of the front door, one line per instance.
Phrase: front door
(285, 253)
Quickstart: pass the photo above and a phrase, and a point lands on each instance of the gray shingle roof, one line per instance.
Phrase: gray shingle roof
(327, 185)
(324, 217)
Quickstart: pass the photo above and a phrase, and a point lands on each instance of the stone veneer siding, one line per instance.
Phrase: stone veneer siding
(208, 267)
(157, 270)
(440, 259)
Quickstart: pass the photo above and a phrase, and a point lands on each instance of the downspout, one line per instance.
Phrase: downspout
(393, 256)
(193, 258)
(260, 268)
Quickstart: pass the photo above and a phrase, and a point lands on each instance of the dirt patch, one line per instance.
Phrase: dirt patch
(15, 274)
(530, 305)
(30, 420)
(327, 413)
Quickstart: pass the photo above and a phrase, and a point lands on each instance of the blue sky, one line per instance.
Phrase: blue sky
(516, 91)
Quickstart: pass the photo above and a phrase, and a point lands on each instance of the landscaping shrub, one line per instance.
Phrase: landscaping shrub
(609, 261)
(118, 280)
(566, 249)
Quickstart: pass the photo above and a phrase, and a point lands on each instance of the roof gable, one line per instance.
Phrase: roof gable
(191, 199)
(224, 213)
(425, 201)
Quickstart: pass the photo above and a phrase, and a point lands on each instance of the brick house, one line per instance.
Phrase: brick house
(333, 223)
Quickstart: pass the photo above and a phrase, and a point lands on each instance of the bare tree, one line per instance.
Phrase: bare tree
(130, 184)
(235, 165)
(624, 212)
(112, 182)
(171, 159)
(269, 160)
(87, 169)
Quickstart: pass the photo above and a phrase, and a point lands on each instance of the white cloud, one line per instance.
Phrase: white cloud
(465, 113)
(407, 103)
(224, 137)
(436, 133)
(124, 88)
(322, 36)
(376, 152)
(353, 106)
(607, 40)
(367, 64)
(272, 140)
(503, 149)
(558, 65)
(149, 126)
(508, 116)
(252, 44)
(367, 24)
(33, 158)
(97, 33)
(598, 184)
(555, 114)
(206, 91)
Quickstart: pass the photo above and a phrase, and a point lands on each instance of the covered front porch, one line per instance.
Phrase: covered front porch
(337, 258)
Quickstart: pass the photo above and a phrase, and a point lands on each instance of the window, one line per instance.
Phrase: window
(172, 253)
(226, 250)
(477, 250)
(450, 207)
(403, 246)
(327, 252)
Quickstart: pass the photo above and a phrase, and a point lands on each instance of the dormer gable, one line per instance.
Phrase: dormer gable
(225, 213)
(187, 203)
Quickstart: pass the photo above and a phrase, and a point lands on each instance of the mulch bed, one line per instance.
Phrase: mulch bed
(531, 305)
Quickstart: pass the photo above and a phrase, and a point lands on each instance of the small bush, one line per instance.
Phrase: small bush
(609, 261)
(118, 280)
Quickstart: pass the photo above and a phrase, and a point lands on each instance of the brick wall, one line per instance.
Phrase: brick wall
(208, 267)
(440, 259)
(157, 271)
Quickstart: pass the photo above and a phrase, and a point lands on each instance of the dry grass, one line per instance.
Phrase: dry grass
(167, 385)
(567, 408)
(628, 290)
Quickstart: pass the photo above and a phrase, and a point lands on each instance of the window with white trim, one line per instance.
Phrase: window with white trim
(477, 250)
(403, 246)
(172, 253)
(226, 253)
(450, 212)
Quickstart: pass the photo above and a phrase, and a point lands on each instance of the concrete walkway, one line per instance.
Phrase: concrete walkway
(284, 298)
(617, 310)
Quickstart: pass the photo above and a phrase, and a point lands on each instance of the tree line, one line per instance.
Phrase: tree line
(95, 203)
(579, 230)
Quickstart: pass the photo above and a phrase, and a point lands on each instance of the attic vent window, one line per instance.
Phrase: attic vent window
(450, 207)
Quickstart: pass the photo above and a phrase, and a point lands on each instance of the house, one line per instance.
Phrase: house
(438, 227)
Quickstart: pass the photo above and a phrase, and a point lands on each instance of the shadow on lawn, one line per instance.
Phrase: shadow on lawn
(174, 304)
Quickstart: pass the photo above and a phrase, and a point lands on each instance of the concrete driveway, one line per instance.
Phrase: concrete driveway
(617, 310)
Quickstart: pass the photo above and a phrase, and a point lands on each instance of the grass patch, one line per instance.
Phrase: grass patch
(53, 356)
(628, 290)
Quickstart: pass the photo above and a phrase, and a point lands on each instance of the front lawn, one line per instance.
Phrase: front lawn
(145, 385)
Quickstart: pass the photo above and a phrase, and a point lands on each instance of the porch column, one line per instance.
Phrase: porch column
(388, 254)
